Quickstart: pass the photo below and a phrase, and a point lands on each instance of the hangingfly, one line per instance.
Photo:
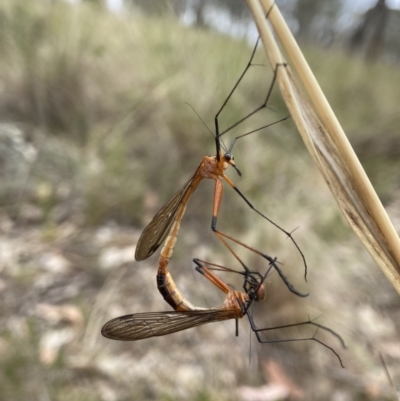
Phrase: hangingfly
(165, 224)
(140, 326)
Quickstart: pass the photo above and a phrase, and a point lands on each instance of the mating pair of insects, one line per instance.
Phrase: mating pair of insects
(165, 228)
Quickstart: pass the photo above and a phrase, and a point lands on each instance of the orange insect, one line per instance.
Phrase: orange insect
(139, 326)
(165, 224)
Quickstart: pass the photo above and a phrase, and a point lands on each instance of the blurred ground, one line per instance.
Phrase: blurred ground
(95, 136)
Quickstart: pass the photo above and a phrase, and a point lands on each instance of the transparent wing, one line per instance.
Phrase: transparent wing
(154, 324)
(156, 231)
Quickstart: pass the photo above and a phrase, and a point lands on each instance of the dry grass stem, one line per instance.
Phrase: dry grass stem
(395, 394)
(103, 299)
(328, 144)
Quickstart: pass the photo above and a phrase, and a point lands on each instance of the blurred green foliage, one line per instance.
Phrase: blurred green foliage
(109, 91)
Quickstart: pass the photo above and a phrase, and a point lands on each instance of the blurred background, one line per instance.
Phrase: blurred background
(95, 137)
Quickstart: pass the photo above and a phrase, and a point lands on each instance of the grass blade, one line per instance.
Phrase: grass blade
(328, 144)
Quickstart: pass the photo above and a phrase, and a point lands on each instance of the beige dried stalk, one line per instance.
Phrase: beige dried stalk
(328, 144)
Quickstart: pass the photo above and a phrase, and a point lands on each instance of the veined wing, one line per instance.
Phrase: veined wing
(156, 231)
(154, 324)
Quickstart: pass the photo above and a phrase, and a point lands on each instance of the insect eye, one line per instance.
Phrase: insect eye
(228, 157)
(261, 293)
